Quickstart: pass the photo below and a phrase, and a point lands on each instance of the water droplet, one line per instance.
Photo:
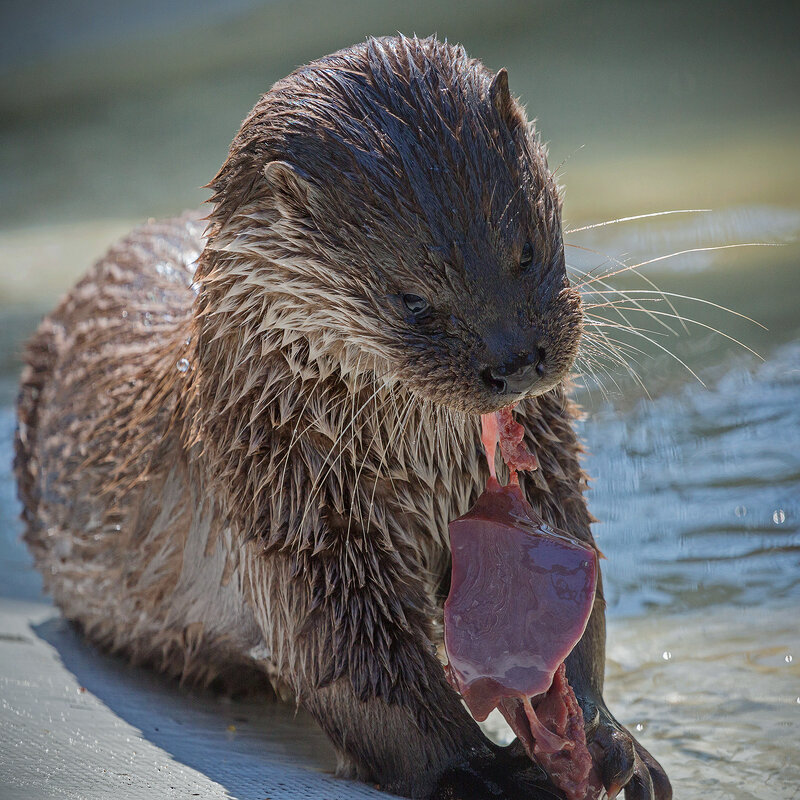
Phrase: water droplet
(779, 516)
(640, 726)
(798, 701)
(740, 511)
(124, 314)
(148, 318)
(788, 658)
(666, 655)
(183, 365)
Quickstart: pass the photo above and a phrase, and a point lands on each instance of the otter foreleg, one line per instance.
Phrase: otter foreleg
(362, 663)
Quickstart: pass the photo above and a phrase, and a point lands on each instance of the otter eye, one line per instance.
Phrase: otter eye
(415, 304)
(526, 256)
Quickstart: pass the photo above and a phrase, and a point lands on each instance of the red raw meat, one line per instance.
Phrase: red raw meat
(503, 428)
(520, 597)
(512, 449)
(551, 729)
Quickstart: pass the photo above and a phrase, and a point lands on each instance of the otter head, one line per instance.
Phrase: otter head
(391, 206)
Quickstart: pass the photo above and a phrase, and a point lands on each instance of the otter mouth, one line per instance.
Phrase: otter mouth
(525, 375)
(518, 376)
(496, 401)
(483, 397)
(499, 403)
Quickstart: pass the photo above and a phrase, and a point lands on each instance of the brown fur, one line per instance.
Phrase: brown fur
(247, 470)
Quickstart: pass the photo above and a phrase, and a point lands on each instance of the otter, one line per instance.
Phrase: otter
(241, 437)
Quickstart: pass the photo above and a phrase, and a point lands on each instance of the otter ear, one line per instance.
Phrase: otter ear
(292, 193)
(502, 100)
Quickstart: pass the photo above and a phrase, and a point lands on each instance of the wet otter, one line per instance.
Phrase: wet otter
(239, 447)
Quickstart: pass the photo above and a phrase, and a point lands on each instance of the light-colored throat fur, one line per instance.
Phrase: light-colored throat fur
(307, 433)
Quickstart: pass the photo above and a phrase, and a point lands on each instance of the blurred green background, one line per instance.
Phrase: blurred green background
(115, 111)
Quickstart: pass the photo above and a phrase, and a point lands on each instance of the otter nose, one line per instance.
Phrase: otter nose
(516, 376)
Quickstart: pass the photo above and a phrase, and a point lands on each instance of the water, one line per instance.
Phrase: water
(696, 486)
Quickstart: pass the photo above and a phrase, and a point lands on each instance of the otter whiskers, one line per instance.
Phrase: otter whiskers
(598, 295)
(679, 253)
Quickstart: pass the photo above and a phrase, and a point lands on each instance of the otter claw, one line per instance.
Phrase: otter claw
(614, 756)
(640, 786)
(662, 788)
(623, 763)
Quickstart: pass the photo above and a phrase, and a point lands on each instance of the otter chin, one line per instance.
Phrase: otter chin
(241, 436)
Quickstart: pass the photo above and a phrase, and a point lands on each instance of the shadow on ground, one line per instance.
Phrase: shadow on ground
(253, 748)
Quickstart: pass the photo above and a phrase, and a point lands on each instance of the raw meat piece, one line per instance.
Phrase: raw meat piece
(520, 597)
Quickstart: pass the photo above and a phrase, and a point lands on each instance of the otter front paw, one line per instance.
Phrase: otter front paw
(504, 774)
(621, 761)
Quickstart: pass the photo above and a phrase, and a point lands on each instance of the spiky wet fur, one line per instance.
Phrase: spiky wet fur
(231, 472)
